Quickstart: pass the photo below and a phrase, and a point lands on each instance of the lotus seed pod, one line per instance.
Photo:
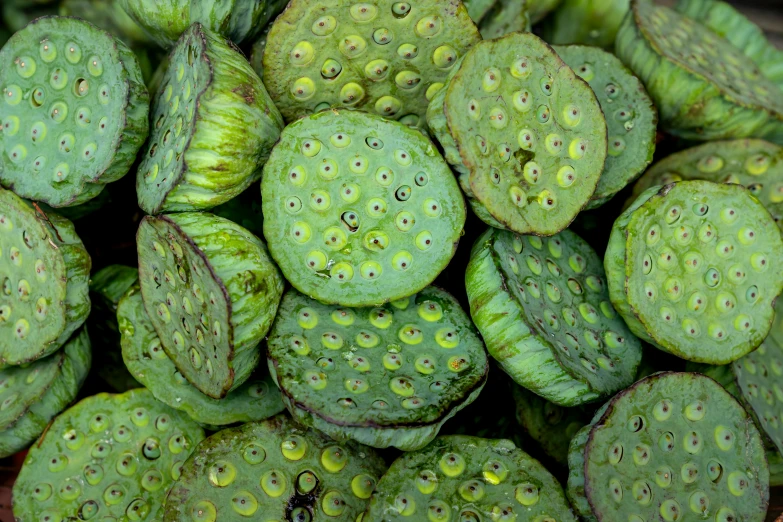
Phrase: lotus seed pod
(507, 16)
(382, 56)
(478, 9)
(672, 447)
(274, 470)
(359, 210)
(335, 376)
(211, 291)
(756, 164)
(586, 22)
(688, 268)
(45, 273)
(109, 16)
(32, 395)
(113, 457)
(529, 131)
(257, 52)
(468, 479)
(543, 310)
(80, 211)
(631, 116)
(704, 87)
(257, 399)
(538, 9)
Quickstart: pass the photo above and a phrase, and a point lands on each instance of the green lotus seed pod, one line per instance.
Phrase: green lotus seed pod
(478, 9)
(109, 16)
(586, 22)
(631, 116)
(468, 479)
(543, 310)
(256, 399)
(211, 291)
(689, 269)
(75, 111)
(244, 210)
(382, 56)
(383, 376)
(274, 470)
(529, 132)
(80, 211)
(359, 210)
(32, 395)
(257, 52)
(109, 457)
(506, 16)
(672, 447)
(704, 87)
(756, 164)
(538, 9)
(45, 273)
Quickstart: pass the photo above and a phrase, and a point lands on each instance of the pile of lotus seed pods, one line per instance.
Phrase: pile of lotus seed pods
(375, 261)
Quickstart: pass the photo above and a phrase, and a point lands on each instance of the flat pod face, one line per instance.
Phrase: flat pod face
(675, 446)
(22, 386)
(459, 478)
(381, 56)
(274, 470)
(560, 285)
(108, 456)
(407, 362)
(359, 210)
(531, 133)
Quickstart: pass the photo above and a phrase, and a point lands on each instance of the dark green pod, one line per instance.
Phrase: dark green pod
(109, 16)
(586, 22)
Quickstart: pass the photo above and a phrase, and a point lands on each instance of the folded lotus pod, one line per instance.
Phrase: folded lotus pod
(109, 16)
(543, 310)
(211, 291)
(45, 293)
(756, 164)
(705, 88)
(407, 367)
(506, 16)
(586, 22)
(75, 112)
(631, 116)
(274, 470)
(110, 456)
(359, 210)
(211, 129)
(257, 399)
(527, 129)
(692, 453)
(382, 56)
(468, 479)
(32, 395)
(688, 268)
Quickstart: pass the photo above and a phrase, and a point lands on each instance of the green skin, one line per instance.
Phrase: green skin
(211, 291)
(386, 376)
(674, 446)
(525, 132)
(506, 16)
(689, 269)
(212, 126)
(111, 455)
(362, 223)
(80, 211)
(631, 117)
(32, 395)
(382, 56)
(478, 9)
(586, 22)
(256, 399)
(704, 87)
(109, 16)
(274, 470)
(469, 479)
(74, 123)
(45, 289)
(543, 310)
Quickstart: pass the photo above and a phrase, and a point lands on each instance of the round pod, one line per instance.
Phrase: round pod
(359, 210)
(585, 22)
(274, 470)
(74, 111)
(526, 133)
(543, 310)
(381, 56)
(672, 447)
(32, 395)
(689, 269)
(468, 479)
(45, 272)
(631, 116)
(211, 292)
(212, 126)
(384, 376)
(109, 456)
(704, 87)
(257, 399)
